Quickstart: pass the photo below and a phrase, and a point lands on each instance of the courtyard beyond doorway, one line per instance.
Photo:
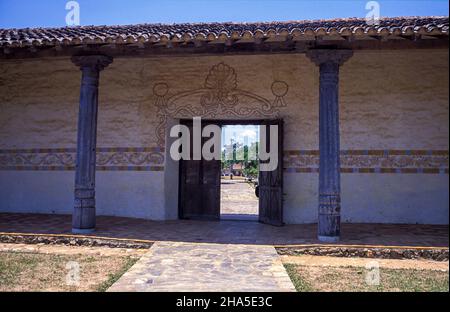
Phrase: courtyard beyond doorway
(239, 174)
(238, 200)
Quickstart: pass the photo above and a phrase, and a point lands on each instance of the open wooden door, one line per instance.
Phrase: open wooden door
(271, 182)
(199, 187)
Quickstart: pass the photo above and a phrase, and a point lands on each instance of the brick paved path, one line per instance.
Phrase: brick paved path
(231, 232)
(174, 266)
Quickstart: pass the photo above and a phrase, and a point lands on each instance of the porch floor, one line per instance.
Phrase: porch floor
(231, 232)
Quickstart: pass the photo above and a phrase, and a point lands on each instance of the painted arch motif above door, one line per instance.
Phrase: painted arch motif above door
(219, 97)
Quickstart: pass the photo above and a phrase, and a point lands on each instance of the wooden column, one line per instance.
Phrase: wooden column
(329, 218)
(83, 218)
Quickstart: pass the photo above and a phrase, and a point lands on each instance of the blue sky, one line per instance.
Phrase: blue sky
(52, 13)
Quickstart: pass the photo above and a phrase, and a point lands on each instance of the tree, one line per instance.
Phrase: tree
(238, 153)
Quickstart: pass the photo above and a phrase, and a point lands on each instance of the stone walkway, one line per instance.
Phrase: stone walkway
(238, 200)
(174, 266)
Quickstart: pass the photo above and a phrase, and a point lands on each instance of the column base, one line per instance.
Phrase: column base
(328, 239)
(83, 231)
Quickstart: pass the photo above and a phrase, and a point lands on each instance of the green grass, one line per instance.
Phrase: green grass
(25, 271)
(12, 267)
(348, 279)
(301, 285)
(114, 277)
(415, 280)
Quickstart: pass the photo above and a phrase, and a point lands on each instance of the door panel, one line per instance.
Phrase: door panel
(199, 186)
(271, 182)
(211, 189)
(190, 188)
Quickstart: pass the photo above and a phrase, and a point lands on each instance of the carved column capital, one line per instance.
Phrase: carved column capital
(95, 62)
(324, 56)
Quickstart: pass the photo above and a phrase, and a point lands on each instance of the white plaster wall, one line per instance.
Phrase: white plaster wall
(36, 191)
(389, 100)
(395, 100)
(372, 198)
(171, 177)
(301, 197)
(399, 198)
(131, 194)
(38, 104)
(127, 194)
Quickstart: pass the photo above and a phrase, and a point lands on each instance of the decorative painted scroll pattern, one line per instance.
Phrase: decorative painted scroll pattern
(307, 161)
(134, 159)
(373, 161)
(219, 97)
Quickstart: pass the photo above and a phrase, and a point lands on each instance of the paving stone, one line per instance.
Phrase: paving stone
(206, 267)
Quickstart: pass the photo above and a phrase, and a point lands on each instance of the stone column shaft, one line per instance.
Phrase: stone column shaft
(329, 216)
(83, 218)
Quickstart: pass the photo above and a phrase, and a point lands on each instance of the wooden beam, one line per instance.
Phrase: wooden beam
(238, 46)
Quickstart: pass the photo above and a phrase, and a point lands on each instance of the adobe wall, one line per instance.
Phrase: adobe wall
(394, 130)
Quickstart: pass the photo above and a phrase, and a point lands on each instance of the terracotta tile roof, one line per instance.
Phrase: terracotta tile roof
(220, 32)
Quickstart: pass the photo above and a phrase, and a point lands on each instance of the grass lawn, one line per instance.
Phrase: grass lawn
(21, 271)
(345, 279)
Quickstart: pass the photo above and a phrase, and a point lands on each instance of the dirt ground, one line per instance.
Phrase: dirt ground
(323, 273)
(62, 268)
(326, 261)
(238, 198)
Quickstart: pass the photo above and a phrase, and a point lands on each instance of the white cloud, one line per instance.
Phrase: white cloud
(246, 134)
(249, 133)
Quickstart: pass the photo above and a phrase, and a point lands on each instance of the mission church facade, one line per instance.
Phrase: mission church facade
(363, 113)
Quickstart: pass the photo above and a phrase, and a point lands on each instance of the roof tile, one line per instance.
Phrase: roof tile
(222, 31)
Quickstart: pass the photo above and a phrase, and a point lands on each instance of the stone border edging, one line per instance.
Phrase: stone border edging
(436, 254)
(74, 240)
(363, 251)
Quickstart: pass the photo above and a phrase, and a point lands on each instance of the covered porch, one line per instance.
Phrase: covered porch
(314, 153)
(231, 232)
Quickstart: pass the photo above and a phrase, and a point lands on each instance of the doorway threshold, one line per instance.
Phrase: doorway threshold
(239, 217)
